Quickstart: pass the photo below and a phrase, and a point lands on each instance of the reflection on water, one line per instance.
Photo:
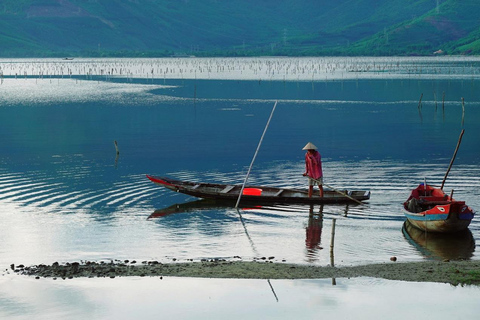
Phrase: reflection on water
(195, 298)
(313, 228)
(440, 246)
(192, 206)
(314, 231)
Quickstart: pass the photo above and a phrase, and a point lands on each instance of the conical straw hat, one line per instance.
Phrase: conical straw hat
(310, 146)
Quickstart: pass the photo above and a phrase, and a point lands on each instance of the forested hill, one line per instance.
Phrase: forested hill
(238, 27)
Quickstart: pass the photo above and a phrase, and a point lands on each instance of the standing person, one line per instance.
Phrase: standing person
(313, 168)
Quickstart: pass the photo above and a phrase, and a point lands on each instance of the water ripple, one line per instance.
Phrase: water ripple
(131, 197)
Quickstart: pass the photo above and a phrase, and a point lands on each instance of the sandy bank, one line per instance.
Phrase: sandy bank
(454, 272)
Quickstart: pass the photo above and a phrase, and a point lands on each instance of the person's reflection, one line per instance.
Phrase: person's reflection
(314, 232)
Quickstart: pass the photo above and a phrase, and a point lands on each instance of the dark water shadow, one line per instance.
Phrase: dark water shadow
(440, 246)
(219, 205)
(186, 207)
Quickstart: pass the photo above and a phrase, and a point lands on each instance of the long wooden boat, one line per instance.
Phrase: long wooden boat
(257, 194)
(430, 209)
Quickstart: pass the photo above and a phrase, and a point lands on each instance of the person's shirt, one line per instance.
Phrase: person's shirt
(313, 165)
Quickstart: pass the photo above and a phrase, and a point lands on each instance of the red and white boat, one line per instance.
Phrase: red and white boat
(430, 209)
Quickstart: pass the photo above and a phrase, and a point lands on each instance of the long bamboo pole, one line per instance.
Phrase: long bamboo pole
(453, 158)
(255, 155)
(340, 192)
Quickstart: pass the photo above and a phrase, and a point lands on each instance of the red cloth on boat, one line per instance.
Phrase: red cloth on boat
(313, 165)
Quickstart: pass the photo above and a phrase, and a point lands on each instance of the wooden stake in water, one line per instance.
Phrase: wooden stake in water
(255, 155)
(443, 101)
(195, 95)
(420, 102)
(118, 152)
(116, 147)
(332, 243)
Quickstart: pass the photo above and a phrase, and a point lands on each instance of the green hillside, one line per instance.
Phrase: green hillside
(237, 27)
(453, 27)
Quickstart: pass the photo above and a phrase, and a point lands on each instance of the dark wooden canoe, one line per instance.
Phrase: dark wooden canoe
(257, 194)
(430, 209)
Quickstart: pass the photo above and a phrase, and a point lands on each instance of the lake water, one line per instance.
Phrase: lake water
(381, 124)
(190, 298)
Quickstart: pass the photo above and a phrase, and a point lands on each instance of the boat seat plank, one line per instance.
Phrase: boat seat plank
(436, 203)
(227, 189)
(433, 199)
(196, 186)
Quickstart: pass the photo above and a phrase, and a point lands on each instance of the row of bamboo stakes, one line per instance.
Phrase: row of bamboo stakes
(264, 68)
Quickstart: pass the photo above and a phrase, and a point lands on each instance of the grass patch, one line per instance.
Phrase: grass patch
(471, 277)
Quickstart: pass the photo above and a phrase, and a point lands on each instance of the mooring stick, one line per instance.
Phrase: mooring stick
(420, 102)
(116, 146)
(443, 101)
(453, 158)
(332, 243)
(255, 155)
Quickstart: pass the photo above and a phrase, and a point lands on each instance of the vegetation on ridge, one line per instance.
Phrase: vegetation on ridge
(238, 27)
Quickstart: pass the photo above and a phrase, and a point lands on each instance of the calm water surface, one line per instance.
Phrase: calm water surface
(190, 298)
(65, 196)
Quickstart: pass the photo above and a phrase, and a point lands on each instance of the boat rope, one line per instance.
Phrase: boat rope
(255, 155)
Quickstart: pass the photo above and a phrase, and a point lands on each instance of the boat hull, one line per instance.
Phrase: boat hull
(257, 194)
(438, 223)
(430, 209)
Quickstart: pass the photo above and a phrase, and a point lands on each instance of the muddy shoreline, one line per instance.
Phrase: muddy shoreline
(453, 272)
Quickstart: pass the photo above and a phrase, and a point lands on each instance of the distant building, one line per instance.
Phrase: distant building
(438, 52)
